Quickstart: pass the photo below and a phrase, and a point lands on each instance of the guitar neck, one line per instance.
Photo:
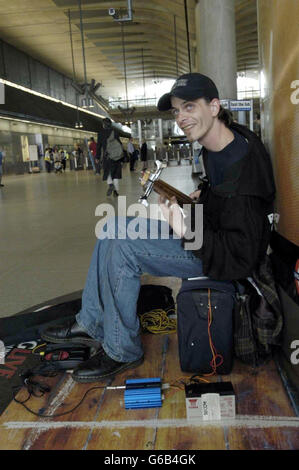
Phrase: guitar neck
(165, 189)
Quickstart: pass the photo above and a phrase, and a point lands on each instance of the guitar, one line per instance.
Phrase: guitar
(152, 182)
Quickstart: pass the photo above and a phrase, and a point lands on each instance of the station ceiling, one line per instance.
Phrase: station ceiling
(155, 41)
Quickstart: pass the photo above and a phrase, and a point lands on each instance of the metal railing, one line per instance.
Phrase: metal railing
(138, 102)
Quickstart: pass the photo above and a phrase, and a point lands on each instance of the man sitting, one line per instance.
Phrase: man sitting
(237, 195)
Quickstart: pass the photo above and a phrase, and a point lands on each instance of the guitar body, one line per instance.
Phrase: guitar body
(151, 181)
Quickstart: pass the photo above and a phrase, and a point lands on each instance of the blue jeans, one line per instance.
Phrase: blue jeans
(110, 296)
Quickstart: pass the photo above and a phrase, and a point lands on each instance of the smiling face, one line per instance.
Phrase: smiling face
(195, 118)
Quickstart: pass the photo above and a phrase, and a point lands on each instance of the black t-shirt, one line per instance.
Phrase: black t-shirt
(219, 162)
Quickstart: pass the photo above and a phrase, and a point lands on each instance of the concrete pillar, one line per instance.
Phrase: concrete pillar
(160, 131)
(216, 44)
(139, 132)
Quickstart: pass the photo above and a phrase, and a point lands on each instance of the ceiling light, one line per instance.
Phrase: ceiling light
(36, 93)
(15, 122)
(87, 102)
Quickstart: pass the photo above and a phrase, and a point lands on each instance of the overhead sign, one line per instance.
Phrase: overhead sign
(240, 105)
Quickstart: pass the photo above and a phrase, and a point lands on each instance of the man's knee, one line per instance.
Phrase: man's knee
(115, 228)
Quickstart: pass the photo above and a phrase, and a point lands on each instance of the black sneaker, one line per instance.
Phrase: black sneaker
(115, 193)
(101, 366)
(110, 189)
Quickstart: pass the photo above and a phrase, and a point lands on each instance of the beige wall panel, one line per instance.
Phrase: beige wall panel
(278, 25)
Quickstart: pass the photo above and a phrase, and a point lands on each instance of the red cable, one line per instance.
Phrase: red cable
(215, 354)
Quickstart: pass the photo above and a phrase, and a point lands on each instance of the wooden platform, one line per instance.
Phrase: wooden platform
(265, 418)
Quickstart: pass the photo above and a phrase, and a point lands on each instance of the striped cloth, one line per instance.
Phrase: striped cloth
(258, 318)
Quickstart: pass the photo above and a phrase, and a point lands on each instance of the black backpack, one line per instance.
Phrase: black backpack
(153, 297)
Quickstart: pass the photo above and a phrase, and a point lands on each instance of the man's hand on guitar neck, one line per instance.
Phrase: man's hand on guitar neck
(195, 195)
(173, 214)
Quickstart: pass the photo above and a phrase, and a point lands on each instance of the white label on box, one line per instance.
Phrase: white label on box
(210, 403)
(206, 407)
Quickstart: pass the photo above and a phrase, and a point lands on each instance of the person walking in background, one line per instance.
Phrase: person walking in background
(63, 159)
(1, 170)
(72, 159)
(143, 154)
(110, 151)
(93, 149)
(48, 159)
(79, 157)
(57, 163)
(132, 154)
(55, 156)
(67, 157)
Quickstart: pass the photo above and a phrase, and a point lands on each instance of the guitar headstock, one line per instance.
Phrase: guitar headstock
(147, 180)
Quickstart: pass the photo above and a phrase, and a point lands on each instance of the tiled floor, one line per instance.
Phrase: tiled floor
(47, 230)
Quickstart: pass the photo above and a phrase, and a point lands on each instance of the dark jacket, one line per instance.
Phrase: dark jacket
(143, 152)
(109, 166)
(236, 228)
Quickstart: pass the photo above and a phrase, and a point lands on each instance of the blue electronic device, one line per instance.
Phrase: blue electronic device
(143, 393)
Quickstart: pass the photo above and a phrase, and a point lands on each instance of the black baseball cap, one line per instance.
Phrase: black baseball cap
(189, 86)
